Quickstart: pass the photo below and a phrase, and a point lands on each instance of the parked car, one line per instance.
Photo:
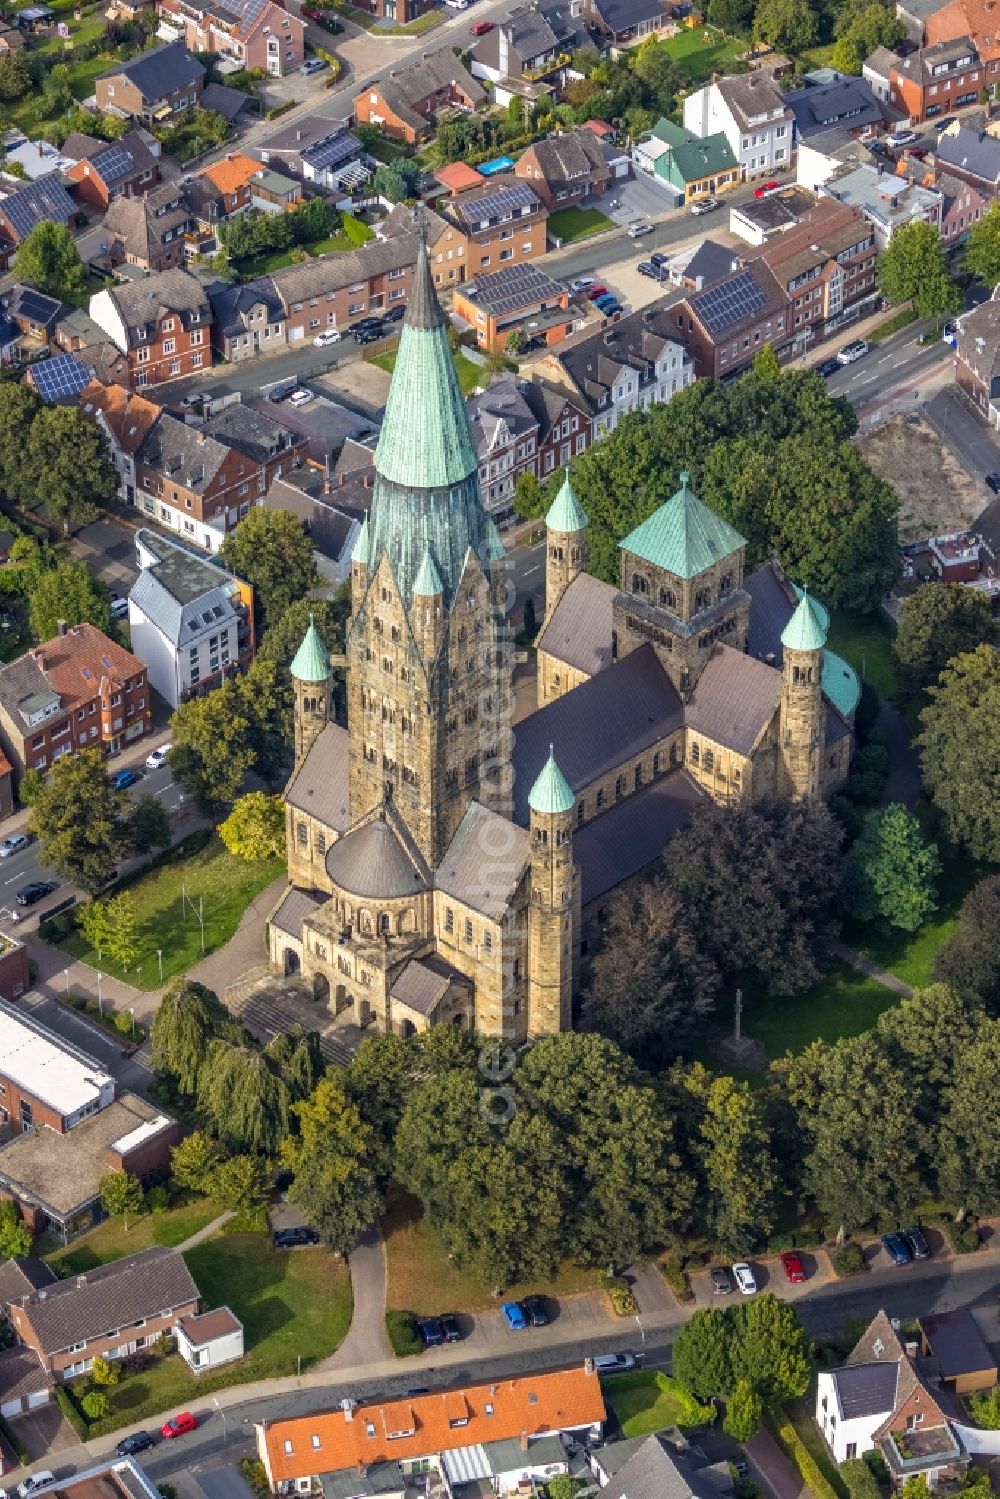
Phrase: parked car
(481, 28)
(597, 290)
(919, 1247)
(30, 895)
(119, 608)
(897, 1249)
(992, 482)
(721, 1284)
(178, 1426)
(13, 844)
(608, 303)
(513, 1315)
(949, 333)
(313, 65)
(535, 1310)
(123, 779)
(900, 138)
(157, 758)
(431, 1332)
(366, 322)
(292, 1238)
(300, 397)
(581, 283)
(704, 205)
(828, 367)
(639, 228)
(137, 1441)
(766, 188)
(793, 1267)
(918, 152)
(744, 1278)
(327, 337)
(647, 268)
(940, 125)
(614, 1363)
(395, 314)
(856, 349)
(35, 1482)
(450, 1328)
(369, 335)
(457, 4)
(659, 259)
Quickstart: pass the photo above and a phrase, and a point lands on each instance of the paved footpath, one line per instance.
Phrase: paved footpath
(865, 965)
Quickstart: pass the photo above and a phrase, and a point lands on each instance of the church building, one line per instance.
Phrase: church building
(445, 863)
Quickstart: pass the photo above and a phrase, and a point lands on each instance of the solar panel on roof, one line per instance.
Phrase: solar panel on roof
(730, 302)
(331, 149)
(513, 287)
(62, 376)
(30, 205)
(31, 304)
(115, 162)
(497, 205)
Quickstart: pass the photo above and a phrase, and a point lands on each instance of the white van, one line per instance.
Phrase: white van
(639, 228)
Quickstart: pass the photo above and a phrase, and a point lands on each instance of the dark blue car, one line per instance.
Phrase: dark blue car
(608, 304)
(123, 779)
(897, 1249)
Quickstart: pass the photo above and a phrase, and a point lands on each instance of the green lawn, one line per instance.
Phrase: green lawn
(263, 265)
(111, 1240)
(293, 1305)
(647, 1401)
(569, 224)
(698, 59)
(219, 886)
(865, 641)
(844, 1003)
(469, 375)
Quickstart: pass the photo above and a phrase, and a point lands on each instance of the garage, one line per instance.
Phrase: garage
(24, 1384)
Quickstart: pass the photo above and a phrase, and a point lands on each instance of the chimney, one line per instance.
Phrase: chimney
(61, 627)
(524, 1441)
(81, 1281)
(200, 437)
(911, 1350)
(588, 1366)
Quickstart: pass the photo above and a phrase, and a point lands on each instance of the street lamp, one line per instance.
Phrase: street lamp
(159, 959)
(66, 977)
(642, 1335)
(132, 1013)
(222, 1413)
(100, 1002)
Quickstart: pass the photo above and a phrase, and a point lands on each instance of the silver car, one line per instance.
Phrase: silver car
(13, 844)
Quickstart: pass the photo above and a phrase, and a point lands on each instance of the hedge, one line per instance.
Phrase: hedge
(71, 1411)
(677, 1279)
(794, 1448)
(14, 1443)
(963, 1237)
(403, 1336)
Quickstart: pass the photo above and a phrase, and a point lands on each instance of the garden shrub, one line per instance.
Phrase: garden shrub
(403, 1335)
(859, 1479)
(963, 1237)
(849, 1259)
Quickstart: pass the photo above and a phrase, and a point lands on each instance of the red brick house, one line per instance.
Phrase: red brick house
(566, 169)
(254, 35)
(163, 324)
(154, 85)
(46, 1083)
(564, 426)
(105, 170)
(725, 326)
(25, 209)
(332, 289)
(826, 266)
(149, 231)
(78, 690)
(939, 78)
(406, 104)
(977, 361)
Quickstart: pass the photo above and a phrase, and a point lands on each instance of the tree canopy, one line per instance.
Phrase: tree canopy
(913, 268)
(270, 549)
(771, 454)
(981, 256)
(860, 29)
(71, 472)
(255, 828)
(970, 960)
(188, 1018)
(960, 750)
(244, 725)
(81, 820)
(283, 638)
(935, 623)
(333, 1161)
(68, 592)
(892, 871)
(49, 259)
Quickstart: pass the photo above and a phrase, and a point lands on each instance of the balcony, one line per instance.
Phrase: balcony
(534, 75)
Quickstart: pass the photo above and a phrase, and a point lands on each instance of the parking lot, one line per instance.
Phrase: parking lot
(770, 1276)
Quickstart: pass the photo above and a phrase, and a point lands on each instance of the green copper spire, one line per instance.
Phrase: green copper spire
(683, 536)
(805, 630)
(428, 580)
(360, 550)
(566, 514)
(426, 468)
(551, 792)
(311, 662)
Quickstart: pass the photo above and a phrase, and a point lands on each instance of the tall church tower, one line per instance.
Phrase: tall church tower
(429, 659)
(310, 671)
(802, 716)
(554, 906)
(565, 545)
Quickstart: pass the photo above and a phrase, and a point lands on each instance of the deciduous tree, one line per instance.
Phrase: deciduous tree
(193, 1161)
(149, 825)
(188, 1018)
(67, 592)
(937, 622)
(81, 820)
(970, 959)
(212, 753)
(860, 30)
(121, 1195)
(255, 828)
(335, 1181)
(270, 549)
(892, 870)
(960, 750)
(731, 1144)
(703, 1354)
(92, 919)
(771, 1350)
(267, 699)
(744, 1412)
(50, 260)
(15, 1235)
(968, 1158)
(982, 247)
(122, 940)
(378, 1080)
(71, 473)
(18, 408)
(243, 1098)
(242, 1183)
(283, 638)
(786, 24)
(913, 268)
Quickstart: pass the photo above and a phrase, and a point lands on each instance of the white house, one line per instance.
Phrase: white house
(191, 621)
(880, 1400)
(751, 112)
(209, 1339)
(629, 365)
(126, 419)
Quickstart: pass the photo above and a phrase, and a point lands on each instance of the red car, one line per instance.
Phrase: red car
(480, 28)
(793, 1267)
(595, 291)
(178, 1426)
(765, 188)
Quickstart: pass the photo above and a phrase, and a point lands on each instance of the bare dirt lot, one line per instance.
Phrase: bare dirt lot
(935, 493)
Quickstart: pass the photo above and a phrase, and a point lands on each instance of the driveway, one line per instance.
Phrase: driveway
(108, 548)
(42, 1431)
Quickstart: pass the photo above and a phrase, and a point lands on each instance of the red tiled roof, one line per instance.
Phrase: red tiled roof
(457, 177)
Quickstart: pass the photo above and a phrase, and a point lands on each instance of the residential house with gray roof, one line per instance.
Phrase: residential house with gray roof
(848, 103)
(331, 291)
(162, 324)
(970, 155)
(153, 86)
(977, 359)
(889, 202)
(406, 103)
(505, 432)
(29, 206)
(658, 1467)
(329, 519)
(191, 620)
(147, 231)
(248, 318)
(526, 55)
(754, 116)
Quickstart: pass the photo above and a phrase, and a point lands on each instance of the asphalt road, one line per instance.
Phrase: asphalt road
(896, 361)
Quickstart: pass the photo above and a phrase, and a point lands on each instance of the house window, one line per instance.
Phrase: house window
(852, 1449)
(449, 920)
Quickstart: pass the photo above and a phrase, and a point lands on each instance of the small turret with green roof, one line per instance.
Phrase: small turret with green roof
(806, 630)
(359, 552)
(566, 515)
(551, 795)
(427, 584)
(311, 662)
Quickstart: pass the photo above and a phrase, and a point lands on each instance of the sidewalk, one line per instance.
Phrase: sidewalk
(865, 965)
